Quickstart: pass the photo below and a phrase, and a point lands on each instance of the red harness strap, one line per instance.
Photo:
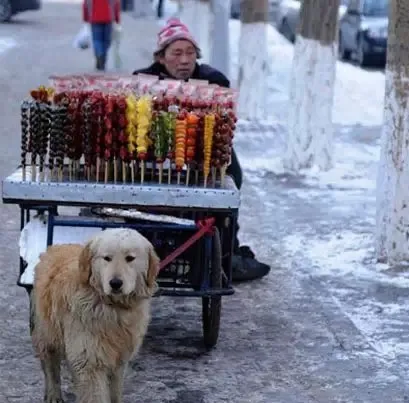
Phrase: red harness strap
(205, 227)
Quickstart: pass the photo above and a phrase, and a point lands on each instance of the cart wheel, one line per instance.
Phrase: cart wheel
(212, 306)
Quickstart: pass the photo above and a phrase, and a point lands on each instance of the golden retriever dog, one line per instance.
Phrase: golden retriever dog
(91, 307)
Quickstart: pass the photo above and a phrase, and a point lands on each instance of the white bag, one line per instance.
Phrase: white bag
(83, 39)
(114, 57)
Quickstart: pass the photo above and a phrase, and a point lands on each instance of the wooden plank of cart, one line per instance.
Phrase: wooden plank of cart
(192, 229)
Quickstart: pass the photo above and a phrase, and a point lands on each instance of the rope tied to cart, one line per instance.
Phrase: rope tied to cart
(205, 227)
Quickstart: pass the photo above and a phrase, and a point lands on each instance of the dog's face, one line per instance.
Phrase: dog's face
(119, 263)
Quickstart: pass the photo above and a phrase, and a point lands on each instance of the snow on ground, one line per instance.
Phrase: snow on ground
(7, 43)
(331, 215)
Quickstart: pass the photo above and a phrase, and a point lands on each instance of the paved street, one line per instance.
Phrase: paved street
(290, 338)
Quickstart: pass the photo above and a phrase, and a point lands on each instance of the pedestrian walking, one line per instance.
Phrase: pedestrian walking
(101, 14)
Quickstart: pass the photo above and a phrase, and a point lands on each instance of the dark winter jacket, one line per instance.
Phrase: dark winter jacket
(201, 72)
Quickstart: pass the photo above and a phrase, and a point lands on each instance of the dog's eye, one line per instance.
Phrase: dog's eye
(107, 258)
(129, 258)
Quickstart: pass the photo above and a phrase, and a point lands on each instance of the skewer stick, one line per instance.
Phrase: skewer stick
(70, 170)
(124, 169)
(223, 170)
(142, 171)
(34, 171)
(106, 172)
(33, 162)
(23, 172)
(205, 181)
(178, 180)
(214, 176)
(197, 176)
(97, 170)
(160, 172)
(188, 175)
(133, 171)
(170, 173)
(115, 170)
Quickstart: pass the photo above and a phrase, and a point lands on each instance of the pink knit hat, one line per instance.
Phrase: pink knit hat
(174, 30)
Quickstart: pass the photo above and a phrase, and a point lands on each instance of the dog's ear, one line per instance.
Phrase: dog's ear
(146, 286)
(85, 263)
(153, 269)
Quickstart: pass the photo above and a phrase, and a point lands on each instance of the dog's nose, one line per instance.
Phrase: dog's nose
(116, 283)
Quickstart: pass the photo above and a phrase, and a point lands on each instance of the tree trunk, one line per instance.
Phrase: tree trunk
(197, 15)
(310, 131)
(393, 175)
(254, 60)
(220, 55)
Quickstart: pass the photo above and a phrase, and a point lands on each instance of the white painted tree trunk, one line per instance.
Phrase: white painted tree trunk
(253, 71)
(393, 185)
(385, 177)
(197, 15)
(310, 131)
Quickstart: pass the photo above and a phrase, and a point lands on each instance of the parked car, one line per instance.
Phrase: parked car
(288, 17)
(363, 31)
(8, 8)
(235, 8)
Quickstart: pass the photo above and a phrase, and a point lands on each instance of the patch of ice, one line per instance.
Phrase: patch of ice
(349, 256)
(385, 331)
(344, 254)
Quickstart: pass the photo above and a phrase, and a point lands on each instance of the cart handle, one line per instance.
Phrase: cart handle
(205, 226)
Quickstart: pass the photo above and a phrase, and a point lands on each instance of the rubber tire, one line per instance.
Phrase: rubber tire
(344, 54)
(364, 59)
(212, 306)
(5, 10)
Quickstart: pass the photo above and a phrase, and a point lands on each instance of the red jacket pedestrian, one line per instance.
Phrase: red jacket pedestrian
(101, 14)
(101, 11)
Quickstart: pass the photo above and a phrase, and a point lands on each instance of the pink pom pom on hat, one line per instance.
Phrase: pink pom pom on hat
(174, 30)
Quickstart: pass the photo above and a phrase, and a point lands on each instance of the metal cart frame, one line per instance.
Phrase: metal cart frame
(196, 257)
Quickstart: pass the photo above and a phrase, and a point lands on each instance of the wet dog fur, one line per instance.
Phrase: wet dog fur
(91, 306)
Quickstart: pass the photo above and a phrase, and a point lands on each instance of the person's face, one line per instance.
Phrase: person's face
(179, 59)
